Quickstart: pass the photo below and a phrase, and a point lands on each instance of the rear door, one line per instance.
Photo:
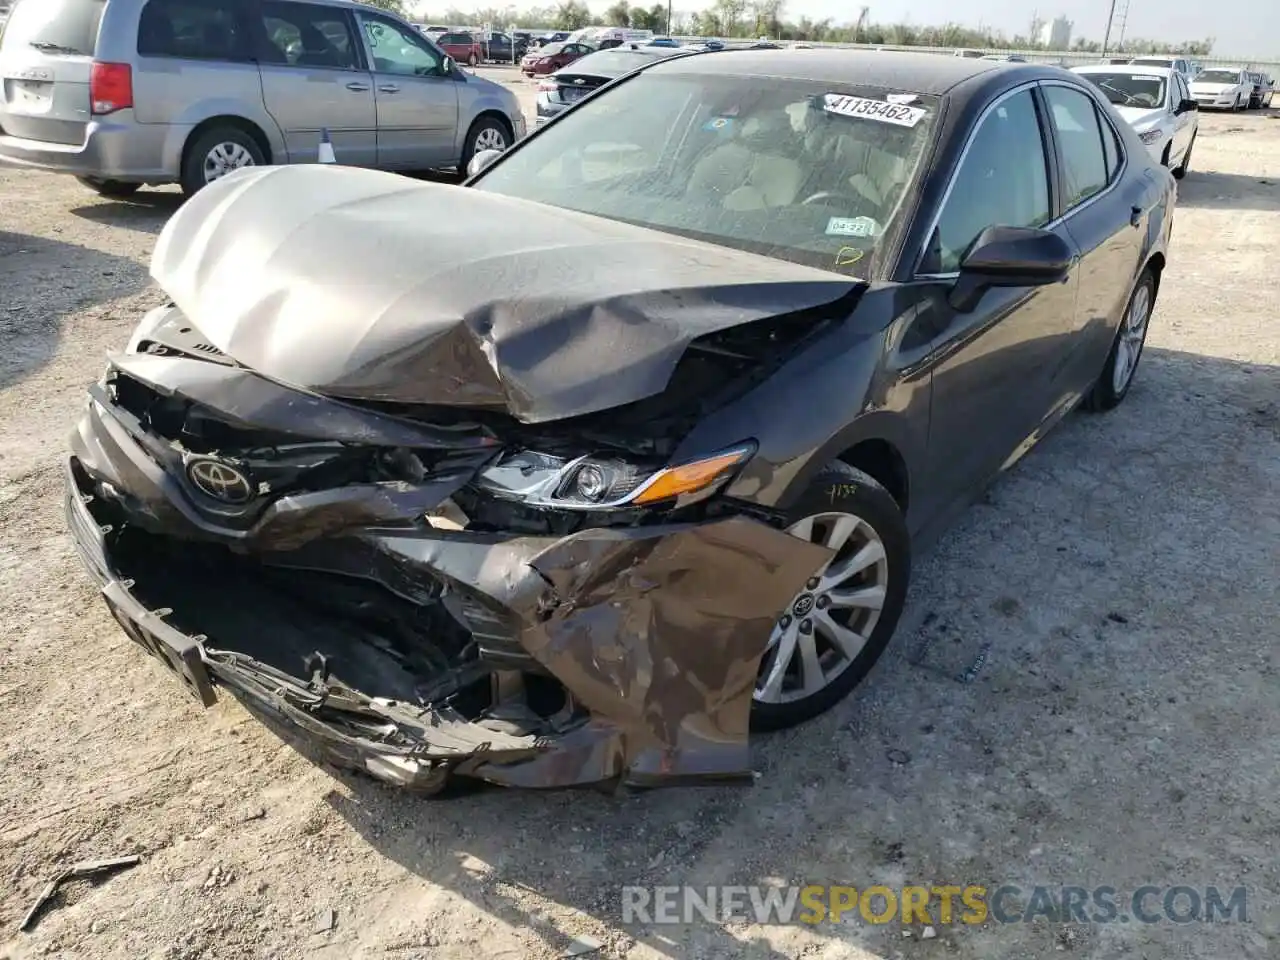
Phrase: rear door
(1107, 207)
(189, 51)
(417, 101)
(45, 58)
(1184, 121)
(314, 78)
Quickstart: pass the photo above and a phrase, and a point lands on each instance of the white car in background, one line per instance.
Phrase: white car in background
(1157, 103)
(1226, 88)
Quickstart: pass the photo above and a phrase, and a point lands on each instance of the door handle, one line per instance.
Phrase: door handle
(356, 87)
(1135, 216)
(388, 88)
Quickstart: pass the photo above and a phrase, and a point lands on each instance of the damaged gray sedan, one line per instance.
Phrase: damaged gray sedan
(579, 472)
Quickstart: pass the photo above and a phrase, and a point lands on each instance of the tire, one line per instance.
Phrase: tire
(838, 490)
(1236, 105)
(1181, 170)
(472, 60)
(1109, 389)
(230, 140)
(112, 189)
(483, 132)
(1164, 159)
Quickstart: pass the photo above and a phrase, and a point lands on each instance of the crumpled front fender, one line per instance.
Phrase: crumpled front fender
(658, 631)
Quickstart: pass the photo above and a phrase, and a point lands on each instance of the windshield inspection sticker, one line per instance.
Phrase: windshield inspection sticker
(901, 97)
(896, 113)
(719, 125)
(851, 227)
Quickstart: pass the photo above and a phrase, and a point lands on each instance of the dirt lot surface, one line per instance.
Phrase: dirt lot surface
(1117, 589)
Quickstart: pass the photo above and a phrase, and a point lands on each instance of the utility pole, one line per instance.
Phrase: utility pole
(668, 18)
(1106, 39)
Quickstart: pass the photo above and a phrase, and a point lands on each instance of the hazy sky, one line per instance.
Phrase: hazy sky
(1249, 29)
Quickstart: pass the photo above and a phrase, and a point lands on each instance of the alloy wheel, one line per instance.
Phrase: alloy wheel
(224, 158)
(828, 623)
(490, 138)
(1133, 333)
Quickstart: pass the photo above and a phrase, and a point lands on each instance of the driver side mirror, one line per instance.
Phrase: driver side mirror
(481, 161)
(1010, 257)
(1186, 105)
(448, 67)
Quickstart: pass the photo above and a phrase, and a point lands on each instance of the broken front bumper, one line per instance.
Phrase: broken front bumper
(657, 631)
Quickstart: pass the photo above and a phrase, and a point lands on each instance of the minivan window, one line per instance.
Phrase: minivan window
(398, 51)
(54, 26)
(302, 35)
(193, 30)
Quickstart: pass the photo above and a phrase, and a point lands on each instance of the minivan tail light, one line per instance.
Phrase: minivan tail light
(110, 87)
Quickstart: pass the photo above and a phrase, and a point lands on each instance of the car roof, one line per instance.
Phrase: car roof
(1140, 69)
(924, 73)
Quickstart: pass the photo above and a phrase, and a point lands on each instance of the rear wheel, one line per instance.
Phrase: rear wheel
(114, 189)
(215, 153)
(833, 630)
(472, 60)
(1117, 373)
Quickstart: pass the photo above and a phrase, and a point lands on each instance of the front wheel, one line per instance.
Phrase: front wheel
(487, 133)
(1117, 373)
(833, 631)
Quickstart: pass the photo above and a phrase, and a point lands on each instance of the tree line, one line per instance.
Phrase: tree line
(760, 18)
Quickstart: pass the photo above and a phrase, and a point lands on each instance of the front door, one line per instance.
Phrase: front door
(993, 366)
(313, 80)
(417, 99)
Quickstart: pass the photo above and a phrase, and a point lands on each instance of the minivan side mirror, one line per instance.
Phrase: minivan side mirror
(1187, 105)
(448, 67)
(1010, 257)
(481, 161)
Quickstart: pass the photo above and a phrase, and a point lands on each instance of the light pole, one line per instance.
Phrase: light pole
(668, 18)
(1106, 38)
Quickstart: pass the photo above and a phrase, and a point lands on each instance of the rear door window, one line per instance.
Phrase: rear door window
(302, 35)
(68, 27)
(193, 30)
(1079, 131)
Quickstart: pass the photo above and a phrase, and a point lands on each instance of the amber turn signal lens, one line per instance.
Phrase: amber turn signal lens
(689, 477)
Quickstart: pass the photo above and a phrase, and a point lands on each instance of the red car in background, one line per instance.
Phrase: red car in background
(552, 57)
(463, 47)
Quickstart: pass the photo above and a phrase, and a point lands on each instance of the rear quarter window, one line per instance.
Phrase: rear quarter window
(193, 30)
(58, 26)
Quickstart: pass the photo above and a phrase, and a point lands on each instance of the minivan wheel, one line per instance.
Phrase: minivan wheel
(487, 133)
(114, 189)
(472, 60)
(1116, 378)
(833, 631)
(215, 153)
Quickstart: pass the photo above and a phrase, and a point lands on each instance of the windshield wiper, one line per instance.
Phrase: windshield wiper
(46, 47)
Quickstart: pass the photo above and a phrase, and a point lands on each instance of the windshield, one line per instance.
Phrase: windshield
(1130, 89)
(799, 170)
(1152, 62)
(54, 26)
(1217, 76)
(551, 49)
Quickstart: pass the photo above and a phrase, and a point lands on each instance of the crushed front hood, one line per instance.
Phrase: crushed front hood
(367, 285)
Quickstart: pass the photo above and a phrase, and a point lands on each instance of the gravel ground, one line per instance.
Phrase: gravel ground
(1118, 589)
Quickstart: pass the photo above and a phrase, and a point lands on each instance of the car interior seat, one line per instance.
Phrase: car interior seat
(752, 171)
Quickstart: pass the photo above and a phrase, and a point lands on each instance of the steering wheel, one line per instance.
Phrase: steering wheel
(827, 196)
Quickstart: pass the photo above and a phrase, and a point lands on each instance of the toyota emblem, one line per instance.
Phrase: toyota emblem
(221, 481)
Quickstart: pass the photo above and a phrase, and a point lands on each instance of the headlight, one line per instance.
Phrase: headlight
(603, 483)
(1151, 136)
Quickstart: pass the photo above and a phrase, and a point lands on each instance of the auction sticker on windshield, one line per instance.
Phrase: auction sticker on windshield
(896, 113)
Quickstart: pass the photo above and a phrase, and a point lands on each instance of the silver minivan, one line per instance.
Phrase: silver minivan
(121, 93)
